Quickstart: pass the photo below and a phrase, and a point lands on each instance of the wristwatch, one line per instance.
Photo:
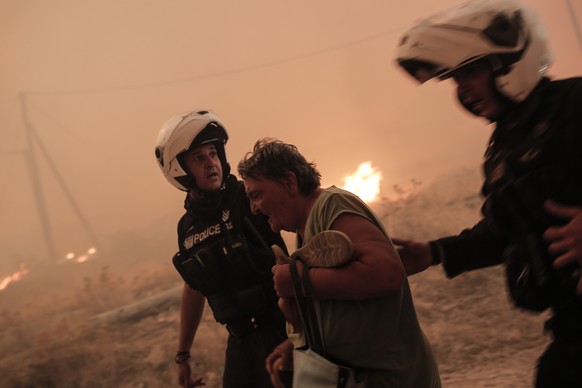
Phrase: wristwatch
(182, 357)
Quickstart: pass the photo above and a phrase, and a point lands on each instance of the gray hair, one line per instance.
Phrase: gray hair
(272, 159)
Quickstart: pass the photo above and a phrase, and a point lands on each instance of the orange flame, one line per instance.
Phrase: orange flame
(16, 276)
(81, 258)
(365, 182)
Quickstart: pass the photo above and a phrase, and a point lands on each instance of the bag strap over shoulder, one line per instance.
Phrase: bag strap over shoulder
(304, 297)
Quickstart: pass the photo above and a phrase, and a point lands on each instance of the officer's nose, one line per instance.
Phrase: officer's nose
(464, 83)
(209, 162)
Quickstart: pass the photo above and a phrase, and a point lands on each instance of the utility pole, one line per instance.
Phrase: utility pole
(35, 181)
(65, 189)
(575, 22)
(31, 138)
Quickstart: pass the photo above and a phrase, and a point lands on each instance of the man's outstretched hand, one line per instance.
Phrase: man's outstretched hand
(415, 255)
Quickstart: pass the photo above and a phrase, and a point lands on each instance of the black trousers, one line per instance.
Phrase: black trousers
(245, 356)
(561, 364)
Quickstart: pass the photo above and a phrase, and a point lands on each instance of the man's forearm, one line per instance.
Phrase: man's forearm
(192, 307)
(473, 248)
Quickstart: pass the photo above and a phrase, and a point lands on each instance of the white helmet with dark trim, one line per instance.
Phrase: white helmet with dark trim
(184, 132)
(505, 32)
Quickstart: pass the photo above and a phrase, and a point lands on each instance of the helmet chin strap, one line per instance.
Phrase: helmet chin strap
(196, 193)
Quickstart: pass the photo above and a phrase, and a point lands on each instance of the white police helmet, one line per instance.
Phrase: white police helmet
(184, 132)
(505, 32)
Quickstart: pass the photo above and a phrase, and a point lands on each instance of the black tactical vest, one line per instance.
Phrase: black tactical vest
(223, 256)
(527, 162)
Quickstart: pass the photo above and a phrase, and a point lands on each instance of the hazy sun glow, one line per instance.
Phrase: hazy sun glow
(365, 182)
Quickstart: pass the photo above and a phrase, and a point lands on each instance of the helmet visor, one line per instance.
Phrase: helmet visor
(422, 71)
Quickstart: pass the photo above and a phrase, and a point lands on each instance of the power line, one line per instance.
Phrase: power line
(224, 73)
(62, 127)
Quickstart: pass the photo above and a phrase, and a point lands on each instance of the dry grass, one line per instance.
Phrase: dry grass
(47, 340)
(478, 339)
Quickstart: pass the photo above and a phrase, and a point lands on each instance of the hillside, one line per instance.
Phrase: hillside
(48, 338)
(479, 339)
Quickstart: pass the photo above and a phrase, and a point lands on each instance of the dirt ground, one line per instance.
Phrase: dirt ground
(49, 338)
(478, 339)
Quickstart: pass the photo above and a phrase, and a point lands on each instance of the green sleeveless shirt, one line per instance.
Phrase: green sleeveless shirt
(381, 336)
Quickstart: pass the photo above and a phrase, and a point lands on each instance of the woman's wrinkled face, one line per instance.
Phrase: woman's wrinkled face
(273, 199)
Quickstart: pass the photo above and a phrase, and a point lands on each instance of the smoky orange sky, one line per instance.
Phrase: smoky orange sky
(96, 80)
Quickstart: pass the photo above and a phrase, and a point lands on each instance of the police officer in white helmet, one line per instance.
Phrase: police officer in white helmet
(224, 252)
(496, 52)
